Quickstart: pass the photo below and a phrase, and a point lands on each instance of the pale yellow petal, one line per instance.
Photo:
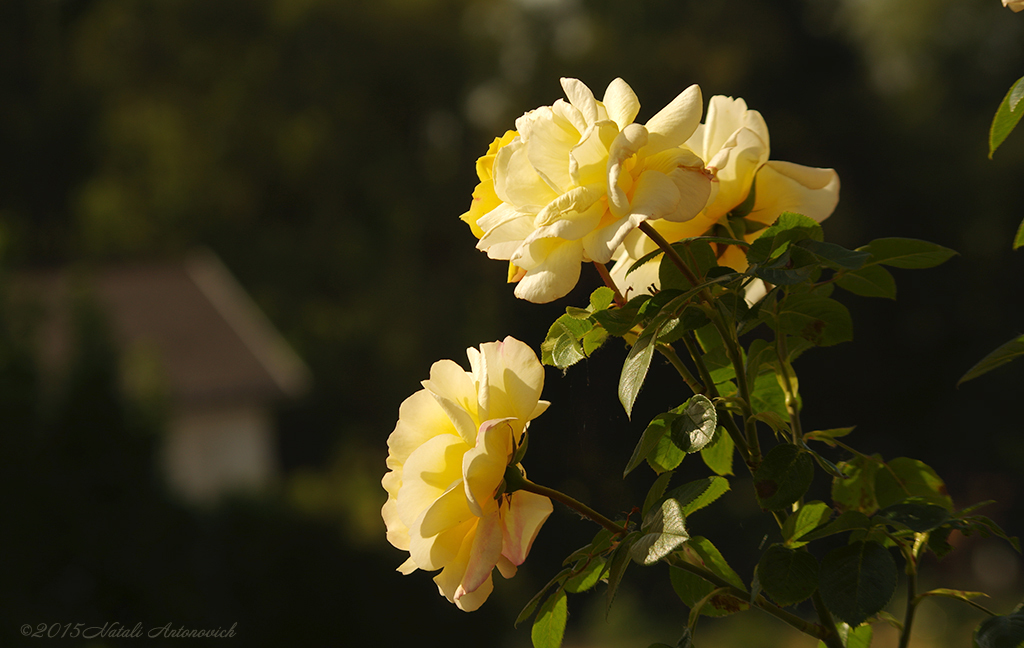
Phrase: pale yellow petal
(737, 164)
(483, 466)
(784, 186)
(625, 146)
(523, 518)
(484, 554)
(408, 567)
(517, 182)
(454, 391)
(621, 103)
(675, 123)
(438, 551)
(588, 160)
(429, 472)
(694, 186)
(581, 98)
(552, 269)
(446, 512)
(419, 418)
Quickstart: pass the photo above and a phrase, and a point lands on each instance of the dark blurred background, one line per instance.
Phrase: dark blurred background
(323, 151)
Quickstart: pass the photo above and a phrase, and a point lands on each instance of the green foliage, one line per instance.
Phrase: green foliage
(857, 581)
(809, 516)
(775, 240)
(634, 370)
(783, 477)
(787, 575)
(662, 532)
(1007, 116)
(670, 436)
(904, 477)
(692, 589)
(1001, 631)
(718, 454)
(871, 281)
(856, 491)
(1018, 239)
(1007, 352)
(907, 253)
(819, 320)
(549, 626)
(700, 493)
(859, 637)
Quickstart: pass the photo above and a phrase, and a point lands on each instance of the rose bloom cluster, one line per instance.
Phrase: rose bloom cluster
(447, 459)
(571, 184)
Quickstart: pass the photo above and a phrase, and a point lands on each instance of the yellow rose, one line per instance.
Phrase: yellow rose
(577, 177)
(1016, 5)
(734, 144)
(447, 458)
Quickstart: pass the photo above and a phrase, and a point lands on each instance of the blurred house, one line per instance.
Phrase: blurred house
(220, 362)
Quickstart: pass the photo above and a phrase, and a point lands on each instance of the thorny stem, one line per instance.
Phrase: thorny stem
(728, 339)
(691, 382)
(911, 557)
(576, 505)
(608, 281)
(712, 392)
(787, 387)
(761, 602)
(832, 639)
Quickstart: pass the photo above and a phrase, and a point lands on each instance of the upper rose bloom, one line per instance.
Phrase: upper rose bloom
(734, 144)
(576, 177)
(447, 459)
(1016, 5)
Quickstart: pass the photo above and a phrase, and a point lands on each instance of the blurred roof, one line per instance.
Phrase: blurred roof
(212, 341)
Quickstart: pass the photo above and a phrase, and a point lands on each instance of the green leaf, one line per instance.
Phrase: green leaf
(711, 558)
(960, 595)
(906, 477)
(549, 626)
(819, 320)
(1006, 117)
(857, 581)
(859, 637)
(656, 491)
(562, 346)
(1018, 240)
(788, 575)
(617, 564)
(698, 256)
(783, 477)
(789, 227)
(672, 435)
(662, 532)
(871, 281)
(718, 454)
(634, 370)
(917, 516)
(856, 492)
(601, 298)
(697, 494)
(586, 578)
(692, 588)
(809, 516)
(825, 436)
(907, 253)
(1001, 631)
(767, 396)
(620, 320)
(834, 256)
(531, 605)
(845, 522)
(1012, 349)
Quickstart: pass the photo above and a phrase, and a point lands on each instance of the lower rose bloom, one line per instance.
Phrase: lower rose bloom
(447, 459)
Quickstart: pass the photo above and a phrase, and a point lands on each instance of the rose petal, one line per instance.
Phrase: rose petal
(483, 466)
(523, 518)
(675, 123)
(621, 103)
